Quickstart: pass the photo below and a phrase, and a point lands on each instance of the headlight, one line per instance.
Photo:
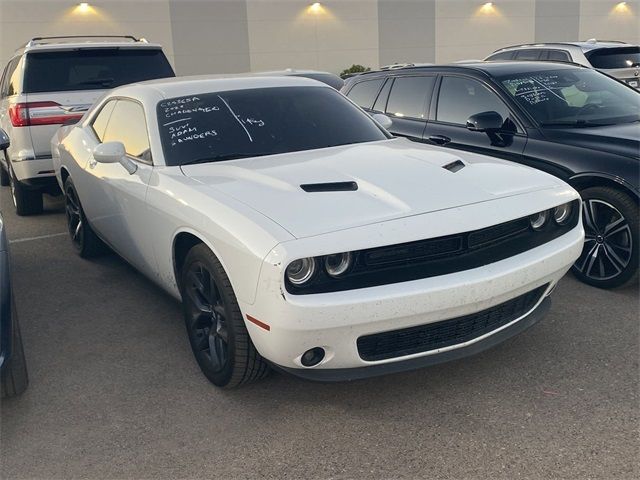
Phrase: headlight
(337, 264)
(301, 271)
(562, 214)
(538, 220)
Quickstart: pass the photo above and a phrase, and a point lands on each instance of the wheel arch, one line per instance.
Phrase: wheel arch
(587, 180)
(64, 174)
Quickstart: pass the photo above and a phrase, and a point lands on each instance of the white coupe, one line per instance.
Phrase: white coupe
(299, 234)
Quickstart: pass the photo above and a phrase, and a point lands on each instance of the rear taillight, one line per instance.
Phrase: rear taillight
(40, 113)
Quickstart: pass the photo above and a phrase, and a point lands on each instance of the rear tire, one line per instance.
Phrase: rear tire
(14, 374)
(26, 201)
(83, 238)
(612, 238)
(217, 332)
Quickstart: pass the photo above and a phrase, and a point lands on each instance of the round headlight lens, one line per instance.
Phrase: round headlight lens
(538, 220)
(562, 214)
(337, 264)
(300, 271)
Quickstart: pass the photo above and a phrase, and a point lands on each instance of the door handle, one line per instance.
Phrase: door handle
(439, 139)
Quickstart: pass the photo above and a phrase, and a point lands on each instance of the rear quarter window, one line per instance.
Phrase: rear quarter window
(92, 69)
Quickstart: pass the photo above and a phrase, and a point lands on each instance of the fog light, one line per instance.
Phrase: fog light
(312, 357)
(538, 220)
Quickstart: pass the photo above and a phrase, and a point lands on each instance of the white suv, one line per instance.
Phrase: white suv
(618, 59)
(52, 81)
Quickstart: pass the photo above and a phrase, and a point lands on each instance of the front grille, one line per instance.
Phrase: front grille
(423, 338)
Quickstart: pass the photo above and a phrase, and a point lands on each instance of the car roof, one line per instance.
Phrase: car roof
(40, 44)
(585, 46)
(503, 67)
(199, 84)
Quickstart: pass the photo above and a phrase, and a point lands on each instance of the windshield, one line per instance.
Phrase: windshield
(235, 124)
(579, 97)
(93, 68)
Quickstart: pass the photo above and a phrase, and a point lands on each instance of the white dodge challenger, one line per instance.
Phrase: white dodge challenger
(299, 234)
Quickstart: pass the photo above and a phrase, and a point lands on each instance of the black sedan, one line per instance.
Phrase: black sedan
(570, 121)
(13, 369)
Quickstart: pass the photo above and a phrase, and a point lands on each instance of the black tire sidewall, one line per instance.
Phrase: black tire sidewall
(201, 254)
(629, 209)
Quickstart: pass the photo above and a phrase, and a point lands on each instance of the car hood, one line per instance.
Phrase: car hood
(395, 178)
(623, 139)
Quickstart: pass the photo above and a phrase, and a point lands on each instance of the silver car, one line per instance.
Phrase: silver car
(618, 59)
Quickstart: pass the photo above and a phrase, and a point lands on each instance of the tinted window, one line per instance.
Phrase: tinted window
(93, 69)
(501, 56)
(409, 96)
(364, 93)
(574, 98)
(100, 123)
(527, 54)
(381, 101)
(558, 56)
(462, 97)
(247, 123)
(127, 124)
(623, 57)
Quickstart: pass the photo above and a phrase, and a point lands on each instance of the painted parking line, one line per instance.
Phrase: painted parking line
(41, 237)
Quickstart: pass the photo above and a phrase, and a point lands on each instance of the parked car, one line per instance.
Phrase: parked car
(330, 79)
(13, 367)
(299, 233)
(570, 121)
(54, 80)
(618, 59)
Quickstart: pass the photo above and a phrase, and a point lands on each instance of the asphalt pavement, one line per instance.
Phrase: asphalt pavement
(115, 392)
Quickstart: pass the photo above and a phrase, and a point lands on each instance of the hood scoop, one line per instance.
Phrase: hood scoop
(454, 166)
(330, 187)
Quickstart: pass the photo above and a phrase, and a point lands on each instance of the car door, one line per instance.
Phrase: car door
(113, 199)
(407, 104)
(458, 98)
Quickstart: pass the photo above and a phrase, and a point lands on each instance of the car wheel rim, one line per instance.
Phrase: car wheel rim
(74, 218)
(608, 242)
(207, 319)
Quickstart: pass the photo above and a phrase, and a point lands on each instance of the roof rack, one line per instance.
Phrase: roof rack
(43, 40)
(594, 40)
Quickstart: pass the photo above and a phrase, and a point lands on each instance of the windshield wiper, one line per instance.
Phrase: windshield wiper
(222, 158)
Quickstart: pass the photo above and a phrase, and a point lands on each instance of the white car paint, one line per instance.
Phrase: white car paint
(256, 220)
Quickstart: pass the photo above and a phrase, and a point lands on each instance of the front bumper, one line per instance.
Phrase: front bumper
(335, 321)
(346, 374)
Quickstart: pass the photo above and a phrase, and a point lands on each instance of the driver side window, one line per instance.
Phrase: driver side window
(459, 98)
(128, 125)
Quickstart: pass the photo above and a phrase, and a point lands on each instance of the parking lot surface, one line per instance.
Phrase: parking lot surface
(115, 392)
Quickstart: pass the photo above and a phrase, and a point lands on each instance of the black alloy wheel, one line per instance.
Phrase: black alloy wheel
(610, 254)
(83, 238)
(217, 332)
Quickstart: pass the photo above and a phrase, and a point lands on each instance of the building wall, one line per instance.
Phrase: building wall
(228, 36)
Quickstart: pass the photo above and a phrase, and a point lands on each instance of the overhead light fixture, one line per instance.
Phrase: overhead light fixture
(315, 7)
(622, 7)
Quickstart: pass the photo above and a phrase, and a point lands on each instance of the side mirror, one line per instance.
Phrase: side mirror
(4, 140)
(109, 152)
(114, 152)
(384, 121)
(485, 122)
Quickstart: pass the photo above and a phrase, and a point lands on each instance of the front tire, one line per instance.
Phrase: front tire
(217, 333)
(26, 201)
(4, 177)
(610, 255)
(83, 238)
